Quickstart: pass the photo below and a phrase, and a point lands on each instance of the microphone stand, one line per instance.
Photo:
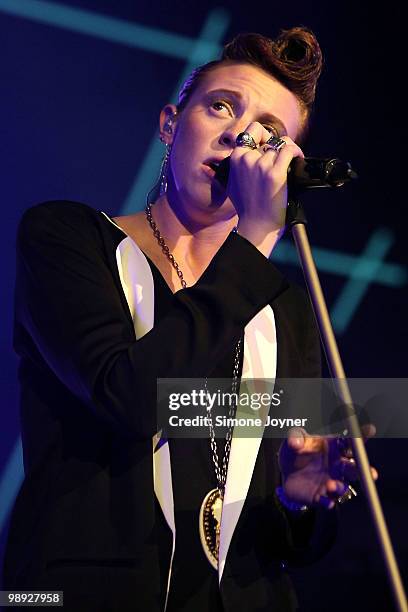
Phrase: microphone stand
(296, 220)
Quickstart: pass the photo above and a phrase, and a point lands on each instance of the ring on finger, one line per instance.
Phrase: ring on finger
(327, 500)
(245, 139)
(348, 494)
(267, 148)
(276, 143)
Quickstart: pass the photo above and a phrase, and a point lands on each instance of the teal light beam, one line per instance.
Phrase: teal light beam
(112, 29)
(10, 481)
(340, 264)
(213, 30)
(355, 288)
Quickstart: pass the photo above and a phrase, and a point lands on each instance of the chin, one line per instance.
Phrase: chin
(208, 206)
(222, 203)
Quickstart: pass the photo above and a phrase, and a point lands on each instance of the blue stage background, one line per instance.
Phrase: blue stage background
(82, 84)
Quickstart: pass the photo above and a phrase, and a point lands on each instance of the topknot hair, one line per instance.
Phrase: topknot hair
(294, 58)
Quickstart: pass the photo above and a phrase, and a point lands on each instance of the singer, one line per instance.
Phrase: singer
(112, 512)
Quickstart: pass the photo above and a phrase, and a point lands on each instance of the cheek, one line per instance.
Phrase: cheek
(187, 151)
(179, 162)
(192, 145)
(182, 163)
(195, 131)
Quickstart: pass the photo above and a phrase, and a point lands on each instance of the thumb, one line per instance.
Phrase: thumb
(296, 438)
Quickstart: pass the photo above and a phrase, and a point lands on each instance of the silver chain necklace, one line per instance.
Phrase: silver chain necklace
(211, 507)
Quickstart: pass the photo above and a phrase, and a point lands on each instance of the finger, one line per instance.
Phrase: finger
(343, 446)
(301, 442)
(347, 470)
(336, 487)
(258, 132)
(322, 499)
(329, 494)
(296, 438)
(269, 156)
(259, 135)
(252, 156)
(368, 430)
(285, 156)
(269, 153)
(287, 139)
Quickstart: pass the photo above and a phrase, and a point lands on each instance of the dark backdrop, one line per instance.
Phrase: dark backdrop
(82, 84)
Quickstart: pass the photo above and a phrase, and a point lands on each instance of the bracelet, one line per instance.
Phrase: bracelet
(292, 506)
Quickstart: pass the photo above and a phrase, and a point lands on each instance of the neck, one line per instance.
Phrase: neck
(195, 244)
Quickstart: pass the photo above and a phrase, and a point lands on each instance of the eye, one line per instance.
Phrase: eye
(273, 130)
(218, 105)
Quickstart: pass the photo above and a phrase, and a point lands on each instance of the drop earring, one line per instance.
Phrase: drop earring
(164, 170)
(165, 163)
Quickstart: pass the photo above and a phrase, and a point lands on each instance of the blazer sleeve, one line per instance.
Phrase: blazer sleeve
(67, 301)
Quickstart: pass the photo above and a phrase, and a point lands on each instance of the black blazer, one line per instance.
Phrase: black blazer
(88, 393)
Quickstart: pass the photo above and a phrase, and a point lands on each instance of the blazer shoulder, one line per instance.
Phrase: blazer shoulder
(57, 217)
(61, 209)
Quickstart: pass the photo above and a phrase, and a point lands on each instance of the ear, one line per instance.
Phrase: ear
(168, 119)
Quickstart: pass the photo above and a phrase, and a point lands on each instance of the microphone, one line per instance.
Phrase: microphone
(307, 173)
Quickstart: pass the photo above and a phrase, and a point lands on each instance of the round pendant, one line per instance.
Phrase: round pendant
(210, 525)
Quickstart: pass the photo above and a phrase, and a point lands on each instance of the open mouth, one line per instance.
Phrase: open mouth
(218, 169)
(213, 165)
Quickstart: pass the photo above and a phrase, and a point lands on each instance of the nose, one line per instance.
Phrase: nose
(228, 138)
(229, 135)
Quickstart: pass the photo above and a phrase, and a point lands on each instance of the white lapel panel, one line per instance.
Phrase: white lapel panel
(138, 286)
(260, 355)
(137, 282)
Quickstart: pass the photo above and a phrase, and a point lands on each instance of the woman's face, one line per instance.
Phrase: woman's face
(225, 102)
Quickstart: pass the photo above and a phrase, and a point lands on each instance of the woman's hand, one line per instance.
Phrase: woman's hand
(315, 469)
(257, 187)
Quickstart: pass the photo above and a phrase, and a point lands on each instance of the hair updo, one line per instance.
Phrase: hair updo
(294, 58)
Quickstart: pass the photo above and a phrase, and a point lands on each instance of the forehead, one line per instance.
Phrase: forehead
(259, 92)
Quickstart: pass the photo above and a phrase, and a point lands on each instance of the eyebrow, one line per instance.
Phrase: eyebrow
(265, 117)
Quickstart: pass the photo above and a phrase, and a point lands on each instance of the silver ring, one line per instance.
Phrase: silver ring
(244, 139)
(267, 148)
(276, 143)
(348, 494)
